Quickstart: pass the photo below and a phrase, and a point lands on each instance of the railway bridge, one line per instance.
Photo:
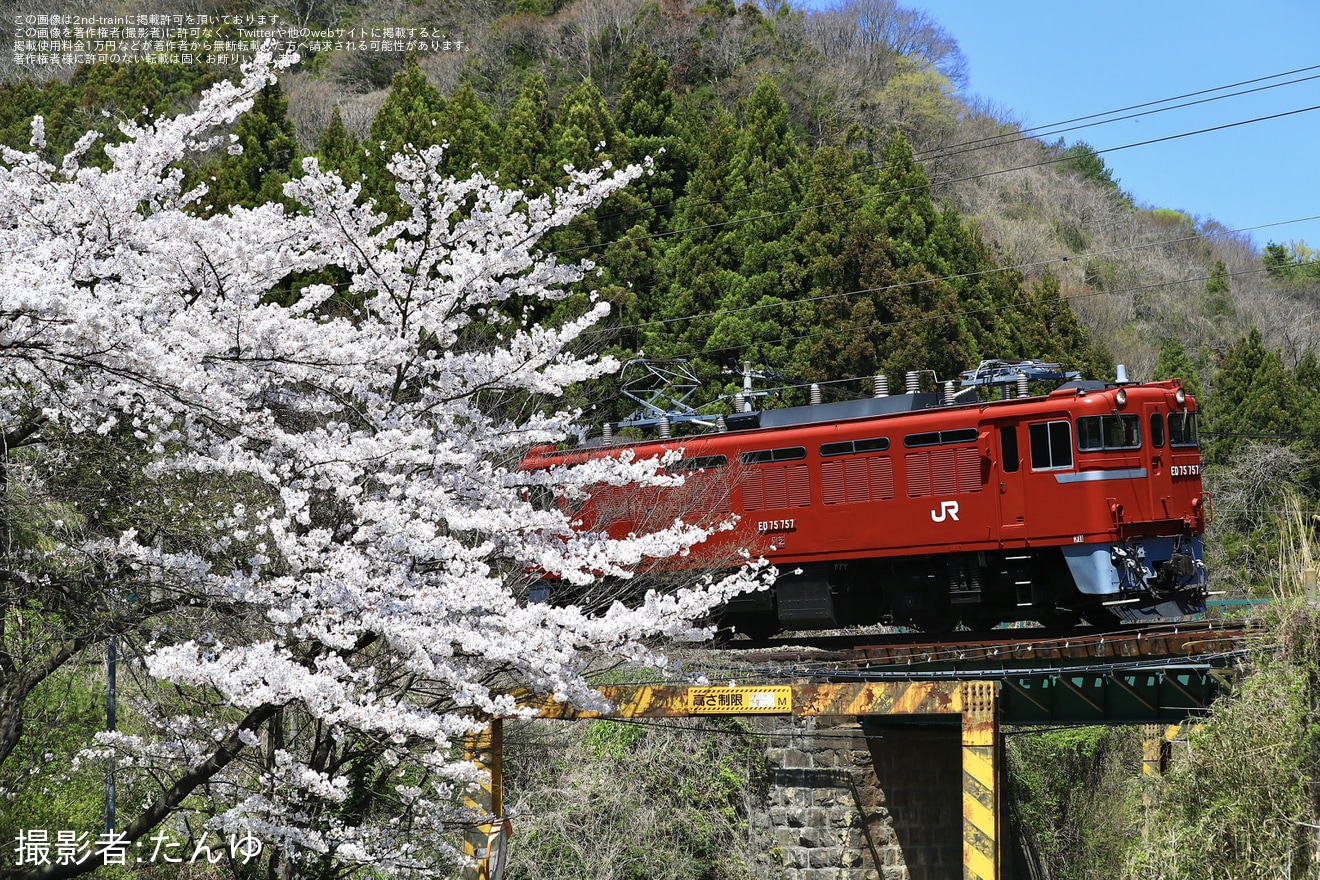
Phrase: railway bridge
(927, 718)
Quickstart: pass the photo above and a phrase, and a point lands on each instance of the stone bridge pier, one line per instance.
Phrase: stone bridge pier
(854, 800)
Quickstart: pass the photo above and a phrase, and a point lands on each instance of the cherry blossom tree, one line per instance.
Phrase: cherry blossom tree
(321, 586)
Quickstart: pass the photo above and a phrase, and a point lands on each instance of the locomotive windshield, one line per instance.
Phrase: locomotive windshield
(1182, 429)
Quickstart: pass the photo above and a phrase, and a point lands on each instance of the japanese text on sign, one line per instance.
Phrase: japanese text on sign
(740, 700)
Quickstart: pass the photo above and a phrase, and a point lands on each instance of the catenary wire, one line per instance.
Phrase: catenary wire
(1045, 131)
(1020, 136)
(1035, 131)
(802, 209)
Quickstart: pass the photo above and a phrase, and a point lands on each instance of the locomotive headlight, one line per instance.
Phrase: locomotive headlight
(1180, 396)
(1121, 397)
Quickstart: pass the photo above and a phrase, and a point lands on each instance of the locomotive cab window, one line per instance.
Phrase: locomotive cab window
(1108, 432)
(1051, 445)
(1182, 429)
(1157, 430)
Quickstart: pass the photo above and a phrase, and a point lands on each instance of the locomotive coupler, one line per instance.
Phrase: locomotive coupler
(1131, 564)
(1181, 570)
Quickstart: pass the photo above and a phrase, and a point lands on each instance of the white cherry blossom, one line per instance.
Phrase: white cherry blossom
(366, 599)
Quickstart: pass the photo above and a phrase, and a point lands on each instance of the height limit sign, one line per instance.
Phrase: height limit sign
(740, 700)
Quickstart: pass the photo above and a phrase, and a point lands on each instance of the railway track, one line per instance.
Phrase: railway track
(1070, 645)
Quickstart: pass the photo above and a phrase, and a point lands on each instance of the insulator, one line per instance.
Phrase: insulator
(815, 394)
(913, 383)
(948, 392)
(882, 386)
(607, 434)
(664, 427)
(1022, 384)
(738, 403)
(720, 425)
(1120, 375)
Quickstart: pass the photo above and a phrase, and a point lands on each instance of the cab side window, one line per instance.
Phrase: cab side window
(1051, 445)
(1108, 432)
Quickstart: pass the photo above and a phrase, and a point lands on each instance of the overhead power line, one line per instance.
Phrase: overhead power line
(801, 209)
(1107, 116)
(1020, 136)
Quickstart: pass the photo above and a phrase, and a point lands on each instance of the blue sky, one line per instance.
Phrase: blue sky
(1046, 62)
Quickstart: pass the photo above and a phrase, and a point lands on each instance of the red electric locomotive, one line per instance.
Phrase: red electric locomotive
(931, 510)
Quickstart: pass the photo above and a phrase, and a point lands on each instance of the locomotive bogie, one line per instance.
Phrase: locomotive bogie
(1084, 503)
